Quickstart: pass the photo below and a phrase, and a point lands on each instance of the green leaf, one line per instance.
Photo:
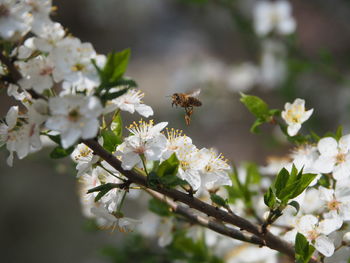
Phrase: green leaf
(153, 180)
(303, 250)
(281, 181)
(296, 205)
(171, 181)
(270, 198)
(255, 105)
(218, 200)
(324, 181)
(169, 166)
(115, 67)
(102, 187)
(297, 187)
(274, 112)
(117, 126)
(55, 138)
(315, 136)
(127, 82)
(111, 96)
(110, 140)
(158, 207)
(60, 152)
(256, 125)
(253, 174)
(339, 133)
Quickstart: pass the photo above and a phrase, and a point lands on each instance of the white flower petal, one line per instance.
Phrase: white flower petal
(324, 245)
(293, 129)
(328, 146)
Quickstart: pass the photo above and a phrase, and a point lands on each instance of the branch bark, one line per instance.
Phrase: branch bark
(211, 224)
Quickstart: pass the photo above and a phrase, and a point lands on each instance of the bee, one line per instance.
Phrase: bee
(187, 101)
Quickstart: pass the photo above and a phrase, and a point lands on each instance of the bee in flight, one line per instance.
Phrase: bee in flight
(187, 101)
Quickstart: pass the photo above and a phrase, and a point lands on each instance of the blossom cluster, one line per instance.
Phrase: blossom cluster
(60, 95)
(199, 167)
(324, 215)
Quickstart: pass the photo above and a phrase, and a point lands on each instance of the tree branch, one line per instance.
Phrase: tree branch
(211, 224)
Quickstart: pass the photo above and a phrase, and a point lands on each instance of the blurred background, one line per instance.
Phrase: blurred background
(179, 46)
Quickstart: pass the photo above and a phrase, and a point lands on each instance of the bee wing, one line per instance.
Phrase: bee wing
(194, 93)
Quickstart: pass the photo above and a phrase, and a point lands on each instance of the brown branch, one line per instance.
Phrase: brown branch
(270, 240)
(211, 224)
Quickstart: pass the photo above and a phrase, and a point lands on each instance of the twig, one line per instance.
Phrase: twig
(211, 224)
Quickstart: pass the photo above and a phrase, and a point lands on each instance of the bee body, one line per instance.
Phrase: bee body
(187, 101)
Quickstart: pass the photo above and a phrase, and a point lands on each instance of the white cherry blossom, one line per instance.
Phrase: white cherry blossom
(294, 115)
(50, 35)
(242, 77)
(14, 19)
(84, 158)
(107, 220)
(192, 161)
(273, 16)
(316, 232)
(74, 116)
(175, 142)
(131, 101)
(37, 74)
(215, 172)
(73, 64)
(336, 201)
(334, 157)
(146, 140)
(20, 134)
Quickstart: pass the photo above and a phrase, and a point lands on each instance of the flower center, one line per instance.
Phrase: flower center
(4, 11)
(184, 165)
(140, 150)
(340, 158)
(78, 67)
(46, 71)
(74, 115)
(333, 205)
(312, 235)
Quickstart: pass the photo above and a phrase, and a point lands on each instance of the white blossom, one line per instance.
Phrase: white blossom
(215, 172)
(242, 77)
(40, 11)
(107, 220)
(50, 35)
(73, 64)
(14, 19)
(273, 16)
(74, 116)
(192, 161)
(146, 140)
(336, 201)
(84, 158)
(131, 101)
(334, 157)
(175, 142)
(20, 134)
(294, 115)
(37, 74)
(317, 231)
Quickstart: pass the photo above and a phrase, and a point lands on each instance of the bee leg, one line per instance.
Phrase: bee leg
(187, 119)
